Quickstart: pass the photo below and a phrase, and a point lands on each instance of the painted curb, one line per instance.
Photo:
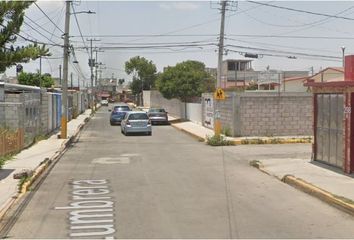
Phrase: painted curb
(319, 193)
(40, 169)
(311, 189)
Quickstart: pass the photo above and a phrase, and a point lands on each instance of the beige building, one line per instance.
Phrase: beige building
(329, 74)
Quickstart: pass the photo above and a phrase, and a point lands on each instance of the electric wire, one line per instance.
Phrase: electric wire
(302, 11)
(51, 33)
(48, 17)
(284, 52)
(37, 31)
(78, 26)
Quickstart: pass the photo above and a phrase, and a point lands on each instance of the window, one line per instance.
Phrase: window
(231, 66)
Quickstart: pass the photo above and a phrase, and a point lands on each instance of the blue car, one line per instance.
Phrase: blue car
(116, 117)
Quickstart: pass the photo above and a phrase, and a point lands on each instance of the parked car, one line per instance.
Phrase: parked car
(158, 115)
(136, 122)
(104, 102)
(116, 117)
(121, 107)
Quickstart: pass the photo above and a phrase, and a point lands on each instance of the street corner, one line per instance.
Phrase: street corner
(339, 202)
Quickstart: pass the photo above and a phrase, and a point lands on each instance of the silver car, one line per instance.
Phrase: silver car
(136, 122)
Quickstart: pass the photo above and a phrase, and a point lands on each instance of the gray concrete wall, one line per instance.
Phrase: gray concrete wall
(194, 112)
(265, 113)
(174, 106)
(44, 113)
(273, 114)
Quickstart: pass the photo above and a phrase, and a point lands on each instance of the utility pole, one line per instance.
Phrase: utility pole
(343, 56)
(217, 124)
(221, 43)
(71, 80)
(60, 82)
(92, 64)
(64, 101)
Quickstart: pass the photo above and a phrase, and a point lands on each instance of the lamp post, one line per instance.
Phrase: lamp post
(343, 56)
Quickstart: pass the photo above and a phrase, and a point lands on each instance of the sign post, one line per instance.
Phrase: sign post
(219, 95)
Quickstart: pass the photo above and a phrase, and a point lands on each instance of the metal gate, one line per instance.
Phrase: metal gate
(330, 129)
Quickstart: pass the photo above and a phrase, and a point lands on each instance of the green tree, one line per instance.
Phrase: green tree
(36, 79)
(11, 19)
(185, 81)
(144, 73)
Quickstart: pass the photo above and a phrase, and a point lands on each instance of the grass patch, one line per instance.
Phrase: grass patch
(4, 159)
(218, 140)
(40, 138)
(22, 181)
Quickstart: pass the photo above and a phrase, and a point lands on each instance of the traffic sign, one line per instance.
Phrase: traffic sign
(219, 94)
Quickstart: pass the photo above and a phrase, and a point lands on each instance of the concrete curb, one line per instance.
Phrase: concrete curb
(40, 169)
(338, 202)
(272, 140)
(200, 139)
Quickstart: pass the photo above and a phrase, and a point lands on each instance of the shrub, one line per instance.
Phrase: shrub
(218, 140)
(226, 131)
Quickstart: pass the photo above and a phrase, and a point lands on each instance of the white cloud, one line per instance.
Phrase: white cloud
(179, 6)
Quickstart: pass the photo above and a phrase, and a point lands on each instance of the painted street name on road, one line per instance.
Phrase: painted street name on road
(92, 211)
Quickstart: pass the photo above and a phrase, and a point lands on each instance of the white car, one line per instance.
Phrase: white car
(136, 122)
(104, 102)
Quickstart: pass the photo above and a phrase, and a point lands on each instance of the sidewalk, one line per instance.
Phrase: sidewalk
(200, 133)
(36, 158)
(324, 182)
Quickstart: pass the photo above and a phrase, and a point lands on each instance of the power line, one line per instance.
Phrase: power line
(39, 33)
(48, 17)
(291, 36)
(307, 25)
(52, 34)
(284, 52)
(277, 45)
(289, 57)
(302, 11)
(146, 35)
(78, 26)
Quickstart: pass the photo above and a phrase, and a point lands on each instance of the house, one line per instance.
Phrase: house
(296, 84)
(329, 74)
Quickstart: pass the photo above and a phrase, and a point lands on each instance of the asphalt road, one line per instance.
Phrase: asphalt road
(168, 185)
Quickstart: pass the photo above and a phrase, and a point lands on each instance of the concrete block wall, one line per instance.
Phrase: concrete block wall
(274, 114)
(227, 113)
(44, 113)
(13, 109)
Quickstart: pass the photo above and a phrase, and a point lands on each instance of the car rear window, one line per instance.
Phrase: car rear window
(121, 108)
(157, 110)
(138, 116)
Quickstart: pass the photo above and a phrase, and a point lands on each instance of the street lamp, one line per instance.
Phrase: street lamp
(343, 56)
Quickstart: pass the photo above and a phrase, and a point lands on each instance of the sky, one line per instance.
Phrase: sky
(191, 30)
